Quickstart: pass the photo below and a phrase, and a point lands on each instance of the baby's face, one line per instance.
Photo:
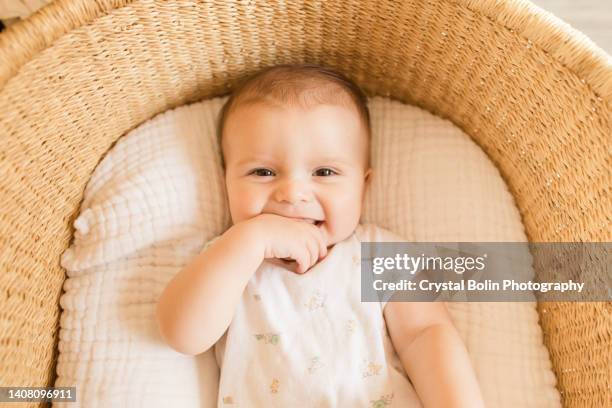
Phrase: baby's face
(300, 163)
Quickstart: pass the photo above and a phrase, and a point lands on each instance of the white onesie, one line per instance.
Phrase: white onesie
(308, 340)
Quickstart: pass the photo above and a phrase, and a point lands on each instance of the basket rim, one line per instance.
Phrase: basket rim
(21, 41)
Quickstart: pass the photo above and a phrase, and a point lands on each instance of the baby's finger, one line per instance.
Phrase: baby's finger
(321, 240)
(324, 235)
(313, 250)
(303, 260)
(323, 244)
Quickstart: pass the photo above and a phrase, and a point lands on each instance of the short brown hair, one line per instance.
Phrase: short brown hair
(303, 85)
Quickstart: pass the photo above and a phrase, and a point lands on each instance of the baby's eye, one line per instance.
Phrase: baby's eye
(324, 172)
(262, 172)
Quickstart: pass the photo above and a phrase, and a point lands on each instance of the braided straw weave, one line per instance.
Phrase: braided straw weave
(535, 94)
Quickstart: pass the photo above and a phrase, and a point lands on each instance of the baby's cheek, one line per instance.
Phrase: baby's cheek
(251, 204)
(239, 204)
(351, 202)
(343, 215)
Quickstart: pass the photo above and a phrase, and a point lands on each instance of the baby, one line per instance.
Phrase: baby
(278, 294)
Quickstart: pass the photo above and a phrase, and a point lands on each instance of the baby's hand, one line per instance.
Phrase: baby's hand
(290, 239)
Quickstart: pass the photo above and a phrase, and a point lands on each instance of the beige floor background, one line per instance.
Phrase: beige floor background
(592, 17)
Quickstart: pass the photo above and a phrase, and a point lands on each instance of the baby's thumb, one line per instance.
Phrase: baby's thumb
(303, 264)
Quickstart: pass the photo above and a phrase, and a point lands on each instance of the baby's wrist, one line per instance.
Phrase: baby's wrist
(249, 237)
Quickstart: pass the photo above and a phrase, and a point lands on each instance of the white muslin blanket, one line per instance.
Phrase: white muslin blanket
(158, 196)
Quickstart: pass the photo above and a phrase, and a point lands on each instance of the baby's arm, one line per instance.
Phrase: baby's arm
(433, 354)
(198, 304)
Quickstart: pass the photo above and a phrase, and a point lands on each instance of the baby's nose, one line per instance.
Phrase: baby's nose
(293, 191)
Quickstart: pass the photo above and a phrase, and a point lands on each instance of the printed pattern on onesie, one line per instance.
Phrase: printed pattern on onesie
(308, 341)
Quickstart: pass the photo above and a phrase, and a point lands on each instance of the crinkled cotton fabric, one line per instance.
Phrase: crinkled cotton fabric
(158, 195)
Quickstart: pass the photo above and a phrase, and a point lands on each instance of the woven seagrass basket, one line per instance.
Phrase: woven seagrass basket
(535, 94)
